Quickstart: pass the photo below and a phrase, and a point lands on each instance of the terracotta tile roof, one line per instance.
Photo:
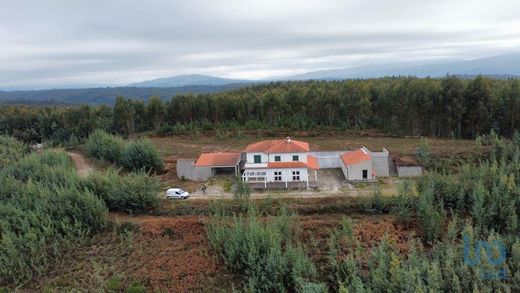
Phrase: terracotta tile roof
(286, 165)
(218, 159)
(312, 162)
(355, 157)
(278, 146)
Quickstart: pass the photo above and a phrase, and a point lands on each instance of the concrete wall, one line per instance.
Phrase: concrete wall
(328, 160)
(186, 169)
(409, 171)
(381, 162)
(204, 173)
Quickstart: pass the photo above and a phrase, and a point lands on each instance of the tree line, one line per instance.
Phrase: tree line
(447, 107)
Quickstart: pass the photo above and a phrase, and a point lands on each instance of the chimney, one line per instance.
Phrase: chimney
(288, 139)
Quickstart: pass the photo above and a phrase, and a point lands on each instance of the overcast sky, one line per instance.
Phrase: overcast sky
(60, 43)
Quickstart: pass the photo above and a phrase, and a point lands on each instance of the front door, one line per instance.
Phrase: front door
(365, 174)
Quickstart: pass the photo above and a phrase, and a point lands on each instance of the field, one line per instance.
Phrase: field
(171, 253)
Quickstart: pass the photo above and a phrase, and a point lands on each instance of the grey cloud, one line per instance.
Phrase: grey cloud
(59, 43)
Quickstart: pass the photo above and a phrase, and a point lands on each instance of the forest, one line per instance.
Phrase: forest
(449, 107)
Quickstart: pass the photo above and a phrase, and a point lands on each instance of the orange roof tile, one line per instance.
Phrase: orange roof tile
(286, 165)
(312, 162)
(354, 157)
(278, 146)
(218, 159)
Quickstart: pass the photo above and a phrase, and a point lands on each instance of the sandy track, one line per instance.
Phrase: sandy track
(82, 166)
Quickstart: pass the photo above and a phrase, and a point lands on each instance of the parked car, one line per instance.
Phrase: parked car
(176, 193)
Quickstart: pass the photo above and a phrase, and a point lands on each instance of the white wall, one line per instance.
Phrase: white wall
(250, 160)
(287, 157)
(355, 172)
(286, 174)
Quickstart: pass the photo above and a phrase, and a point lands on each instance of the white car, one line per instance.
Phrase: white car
(176, 193)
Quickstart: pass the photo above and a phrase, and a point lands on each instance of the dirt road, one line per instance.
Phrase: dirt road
(82, 166)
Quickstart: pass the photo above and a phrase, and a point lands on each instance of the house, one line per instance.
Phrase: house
(284, 163)
(358, 165)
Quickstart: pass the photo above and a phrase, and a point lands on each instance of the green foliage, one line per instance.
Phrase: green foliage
(11, 150)
(267, 256)
(446, 107)
(423, 152)
(104, 146)
(136, 287)
(377, 205)
(241, 189)
(431, 216)
(135, 193)
(43, 210)
(405, 203)
(141, 155)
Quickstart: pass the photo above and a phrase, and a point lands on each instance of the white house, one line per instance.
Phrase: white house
(282, 163)
(358, 165)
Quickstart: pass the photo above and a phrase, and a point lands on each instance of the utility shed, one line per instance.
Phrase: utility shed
(211, 164)
(357, 165)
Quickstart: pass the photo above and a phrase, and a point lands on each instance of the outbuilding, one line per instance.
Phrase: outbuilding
(211, 164)
(357, 165)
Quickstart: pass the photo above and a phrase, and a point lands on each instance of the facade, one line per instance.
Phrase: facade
(280, 164)
(358, 165)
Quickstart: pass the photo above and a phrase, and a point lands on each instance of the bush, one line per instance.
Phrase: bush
(43, 211)
(141, 155)
(104, 146)
(266, 255)
(11, 150)
(134, 193)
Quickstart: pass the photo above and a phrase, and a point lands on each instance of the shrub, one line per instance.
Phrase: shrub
(11, 150)
(43, 211)
(141, 155)
(241, 189)
(104, 146)
(266, 255)
(132, 193)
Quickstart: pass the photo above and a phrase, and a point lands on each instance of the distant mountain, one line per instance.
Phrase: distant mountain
(105, 95)
(185, 80)
(498, 66)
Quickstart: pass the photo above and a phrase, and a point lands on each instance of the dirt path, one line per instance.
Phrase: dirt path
(82, 166)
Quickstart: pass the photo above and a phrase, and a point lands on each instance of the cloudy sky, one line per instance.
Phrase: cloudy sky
(60, 43)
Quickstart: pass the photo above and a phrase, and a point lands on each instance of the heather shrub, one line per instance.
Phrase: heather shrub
(104, 146)
(11, 150)
(141, 155)
(133, 193)
(43, 211)
(267, 255)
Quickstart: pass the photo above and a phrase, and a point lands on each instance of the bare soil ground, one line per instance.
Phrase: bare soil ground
(83, 167)
(172, 254)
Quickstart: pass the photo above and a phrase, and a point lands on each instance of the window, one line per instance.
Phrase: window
(277, 175)
(258, 159)
(277, 158)
(365, 174)
(296, 175)
(295, 158)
